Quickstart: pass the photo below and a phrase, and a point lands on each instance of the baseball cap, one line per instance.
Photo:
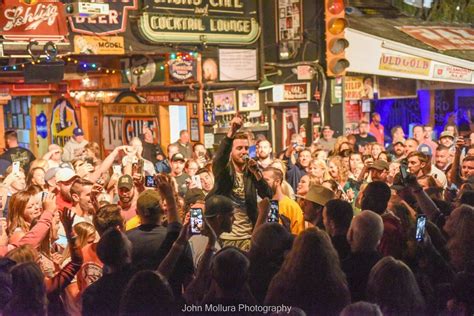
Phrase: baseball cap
(446, 134)
(177, 157)
(425, 149)
(218, 205)
(193, 195)
(50, 173)
(380, 165)
(398, 141)
(149, 202)
(319, 194)
(78, 131)
(125, 181)
(65, 174)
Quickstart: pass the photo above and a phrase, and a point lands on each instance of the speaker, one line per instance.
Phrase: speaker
(44, 73)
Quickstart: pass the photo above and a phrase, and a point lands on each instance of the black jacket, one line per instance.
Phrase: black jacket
(224, 174)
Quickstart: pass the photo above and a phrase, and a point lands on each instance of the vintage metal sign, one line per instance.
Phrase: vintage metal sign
(42, 21)
(181, 70)
(291, 92)
(442, 37)
(113, 23)
(452, 73)
(95, 45)
(405, 64)
(200, 21)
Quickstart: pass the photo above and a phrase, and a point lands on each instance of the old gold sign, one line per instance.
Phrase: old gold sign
(200, 21)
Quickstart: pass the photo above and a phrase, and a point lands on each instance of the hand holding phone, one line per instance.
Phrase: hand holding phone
(274, 213)
(16, 167)
(196, 220)
(420, 227)
(150, 181)
(403, 173)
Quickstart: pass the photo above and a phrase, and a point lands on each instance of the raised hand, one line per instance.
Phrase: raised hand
(67, 219)
(164, 185)
(49, 202)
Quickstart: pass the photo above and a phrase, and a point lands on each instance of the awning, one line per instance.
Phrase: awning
(396, 54)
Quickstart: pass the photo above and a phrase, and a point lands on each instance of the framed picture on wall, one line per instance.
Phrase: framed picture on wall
(248, 100)
(225, 102)
(194, 130)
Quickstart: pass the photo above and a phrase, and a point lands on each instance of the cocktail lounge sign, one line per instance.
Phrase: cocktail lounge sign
(200, 21)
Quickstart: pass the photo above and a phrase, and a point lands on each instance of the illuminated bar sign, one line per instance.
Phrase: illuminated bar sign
(200, 21)
(32, 20)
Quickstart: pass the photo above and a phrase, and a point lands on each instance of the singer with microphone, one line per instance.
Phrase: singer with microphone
(239, 178)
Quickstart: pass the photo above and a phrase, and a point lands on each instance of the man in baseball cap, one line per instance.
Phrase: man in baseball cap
(379, 170)
(398, 148)
(74, 148)
(314, 202)
(65, 177)
(177, 172)
(446, 139)
(219, 216)
(127, 197)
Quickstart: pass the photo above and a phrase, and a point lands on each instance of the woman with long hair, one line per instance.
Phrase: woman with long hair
(461, 244)
(338, 172)
(392, 285)
(36, 177)
(310, 277)
(23, 208)
(317, 171)
(341, 144)
(92, 151)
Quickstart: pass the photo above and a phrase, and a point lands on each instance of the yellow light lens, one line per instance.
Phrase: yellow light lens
(337, 26)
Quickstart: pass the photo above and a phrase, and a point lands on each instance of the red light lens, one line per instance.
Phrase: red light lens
(335, 6)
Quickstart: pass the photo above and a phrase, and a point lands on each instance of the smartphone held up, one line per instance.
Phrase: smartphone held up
(196, 220)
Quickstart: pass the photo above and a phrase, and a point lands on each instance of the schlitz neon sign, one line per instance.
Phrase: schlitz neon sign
(42, 21)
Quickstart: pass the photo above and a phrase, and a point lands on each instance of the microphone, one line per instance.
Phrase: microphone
(246, 158)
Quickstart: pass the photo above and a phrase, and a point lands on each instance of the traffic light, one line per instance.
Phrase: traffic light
(335, 23)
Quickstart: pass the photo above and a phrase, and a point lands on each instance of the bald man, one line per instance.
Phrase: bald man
(363, 236)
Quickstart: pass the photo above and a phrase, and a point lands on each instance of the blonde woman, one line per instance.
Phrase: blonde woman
(317, 170)
(285, 186)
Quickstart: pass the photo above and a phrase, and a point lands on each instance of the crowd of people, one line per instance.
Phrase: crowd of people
(342, 226)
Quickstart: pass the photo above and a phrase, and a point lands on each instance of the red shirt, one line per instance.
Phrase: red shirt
(377, 132)
(61, 203)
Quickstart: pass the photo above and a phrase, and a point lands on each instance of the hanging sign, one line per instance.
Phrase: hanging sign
(199, 21)
(291, 92)
(405, 64)
(353, 88)
(135, 109)
(63, 122)
(42, 21)
(42, 125)
(113, 23)
(94, 45)
(452, 73)
(181, 70)
(119, 130)
(442, 37)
